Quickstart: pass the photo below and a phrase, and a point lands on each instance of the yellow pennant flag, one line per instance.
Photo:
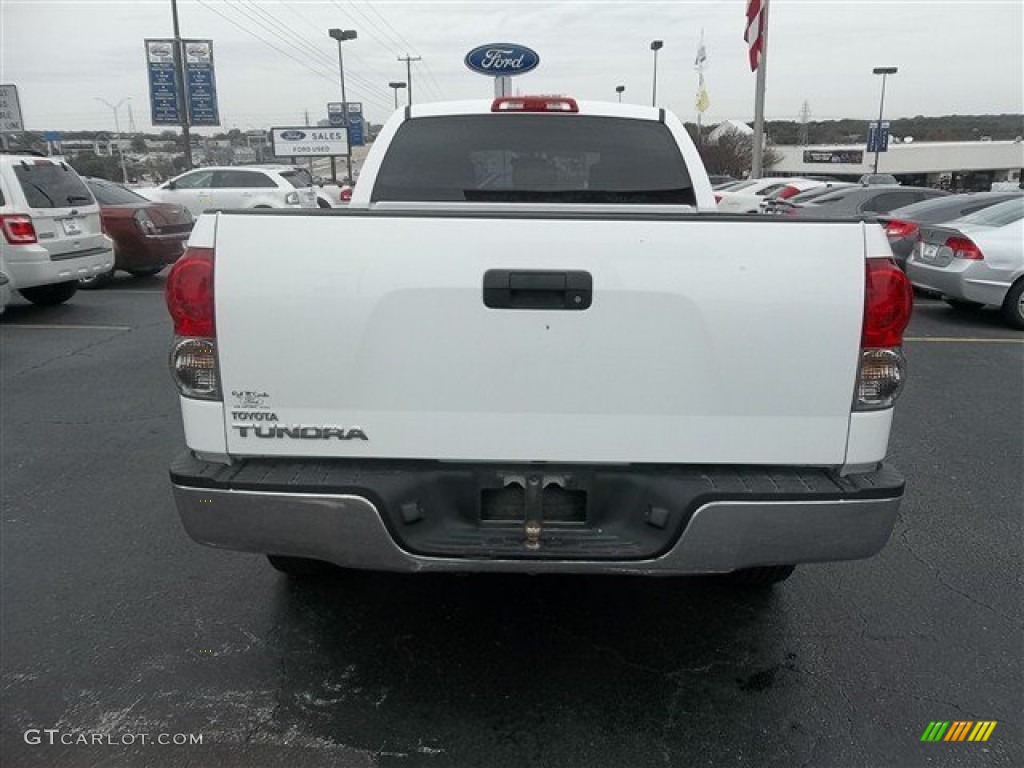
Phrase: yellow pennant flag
(702, 97)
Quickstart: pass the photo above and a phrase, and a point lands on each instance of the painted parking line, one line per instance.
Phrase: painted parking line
(43, 327)
(963, 340)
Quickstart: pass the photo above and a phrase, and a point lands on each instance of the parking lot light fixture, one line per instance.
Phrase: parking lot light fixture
(884, 72)
(116, 108)
(619, 89)
(341, 35)
(656, 45)
(396, 86)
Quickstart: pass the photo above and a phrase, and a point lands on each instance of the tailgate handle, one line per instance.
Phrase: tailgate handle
(542, 289)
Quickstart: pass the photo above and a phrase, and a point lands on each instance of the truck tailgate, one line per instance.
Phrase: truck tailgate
(708, 340)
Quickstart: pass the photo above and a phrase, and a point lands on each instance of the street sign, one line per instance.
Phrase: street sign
(164, 105)
(309, 142)
(356, 126)
(200, 82)
(878, 139)
(336, 114)
(10, 110)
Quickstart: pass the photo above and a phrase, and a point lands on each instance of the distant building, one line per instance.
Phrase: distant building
(727, 127)
(973, 165)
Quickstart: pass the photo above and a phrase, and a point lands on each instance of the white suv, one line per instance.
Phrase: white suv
(265, 186)
(52, 235)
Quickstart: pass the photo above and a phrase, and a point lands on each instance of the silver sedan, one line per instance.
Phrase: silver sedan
(975, 260)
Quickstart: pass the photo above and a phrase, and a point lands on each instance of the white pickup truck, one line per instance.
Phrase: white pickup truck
(531, 344)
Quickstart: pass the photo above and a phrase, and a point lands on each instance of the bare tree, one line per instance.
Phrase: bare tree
(732, 153)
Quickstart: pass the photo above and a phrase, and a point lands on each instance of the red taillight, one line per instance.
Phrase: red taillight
(787, 192)
(888, 301)
(346, 194)
(18, 229)
(964, 248)
(897, 229)
(189, 294)
(534, 104)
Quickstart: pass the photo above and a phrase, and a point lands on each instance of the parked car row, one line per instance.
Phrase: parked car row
(966, 248)
(62, 232)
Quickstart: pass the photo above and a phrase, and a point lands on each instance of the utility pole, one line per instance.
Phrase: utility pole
(803, 137)
(884, 72)
(179, 62)
(408, 71)
(131, 120)
(117, 127)
(656, 45)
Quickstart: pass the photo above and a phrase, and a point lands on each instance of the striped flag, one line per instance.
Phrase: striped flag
(755, 32)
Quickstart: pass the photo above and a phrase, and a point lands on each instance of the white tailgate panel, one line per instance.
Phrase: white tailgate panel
(707, 341)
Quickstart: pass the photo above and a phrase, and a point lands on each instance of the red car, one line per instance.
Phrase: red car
(147, 236)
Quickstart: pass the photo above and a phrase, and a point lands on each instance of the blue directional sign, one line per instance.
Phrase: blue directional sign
(878, 137)
(200, 83)
(336, 114)
(164, 103)
(356, 126)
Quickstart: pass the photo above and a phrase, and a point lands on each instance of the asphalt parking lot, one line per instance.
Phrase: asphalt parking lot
(114, 622)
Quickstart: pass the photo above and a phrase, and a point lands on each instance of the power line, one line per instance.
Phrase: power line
(435, 86)
(378, 101)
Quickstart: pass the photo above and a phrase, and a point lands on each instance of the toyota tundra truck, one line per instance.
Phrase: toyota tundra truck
(530, 344)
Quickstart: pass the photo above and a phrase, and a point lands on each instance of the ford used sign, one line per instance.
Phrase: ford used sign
(292, 135)
(502, 59)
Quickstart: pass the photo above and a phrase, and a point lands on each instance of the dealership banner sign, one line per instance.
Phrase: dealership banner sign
(200, 82)
(165, 106)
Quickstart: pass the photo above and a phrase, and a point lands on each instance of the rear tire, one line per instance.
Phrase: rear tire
(50, 295)
(147, 272)
(303, 568)
(963, 305)
(762, 576)
(1013, 305)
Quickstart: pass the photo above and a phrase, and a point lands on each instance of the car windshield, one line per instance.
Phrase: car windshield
(298, 177)
(523, 158)
(812, 194)
(51, 185)
(834, 196)
(107, 193)
(995, 216)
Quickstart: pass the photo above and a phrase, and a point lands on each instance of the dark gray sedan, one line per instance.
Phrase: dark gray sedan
(864, 201)
(902, 226)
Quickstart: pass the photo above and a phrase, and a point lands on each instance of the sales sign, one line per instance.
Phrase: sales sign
(200, 83)
(161, 63)
(10, 109)
(309, 142)
(878, 137)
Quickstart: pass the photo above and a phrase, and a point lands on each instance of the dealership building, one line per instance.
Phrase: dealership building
(959, 165)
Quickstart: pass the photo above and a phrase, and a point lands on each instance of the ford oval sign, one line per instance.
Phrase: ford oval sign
(293, 135)
(502, 59)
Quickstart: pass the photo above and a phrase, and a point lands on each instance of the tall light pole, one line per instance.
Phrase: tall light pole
(656, 45)
(117, 127)
(395, 86)
(884, 72)
(619, 89)
(341, 35)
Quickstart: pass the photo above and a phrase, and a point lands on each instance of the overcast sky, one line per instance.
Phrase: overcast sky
(954, 57)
